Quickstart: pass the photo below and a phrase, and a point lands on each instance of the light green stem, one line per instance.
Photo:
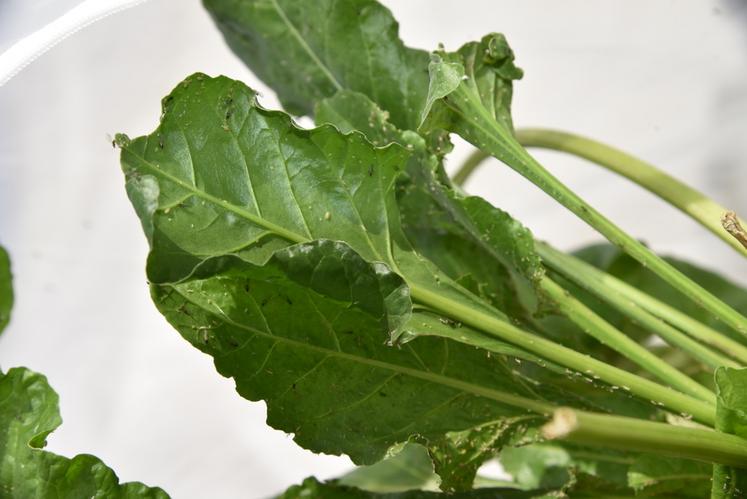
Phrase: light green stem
(595, 326)
(595, 281)
(612, 285)
(691, 202)
(617, 432)
(489, 135)
(567, 357)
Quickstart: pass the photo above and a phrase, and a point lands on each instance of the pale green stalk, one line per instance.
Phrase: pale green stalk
(683, 197)
(597, 327)
(498, 141)
(593, 280)
(648, 390)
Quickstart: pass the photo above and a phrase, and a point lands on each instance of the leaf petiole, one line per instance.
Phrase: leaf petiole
(632, 301)
(605, 332)
(623, 433)
(695, 204)
(602, 286)
(481, 128)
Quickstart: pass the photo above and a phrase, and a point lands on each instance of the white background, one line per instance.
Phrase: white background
(664, 79)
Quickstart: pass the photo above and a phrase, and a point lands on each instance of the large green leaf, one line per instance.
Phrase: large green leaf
(731, 417)
(221, 175)
(313, 489)
(306, 333)
(28, 413)
(6, 289)
(309, 50)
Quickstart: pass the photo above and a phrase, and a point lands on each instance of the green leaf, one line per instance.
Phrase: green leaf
(409, 469)
(6, 289)
(306, 332)
(313, 489)
(307, 51)
(28, 413)
(731, 417)
(540, 465)
(222, 176)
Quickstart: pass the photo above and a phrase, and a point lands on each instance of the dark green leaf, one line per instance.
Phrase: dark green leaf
(307, 51)
(306, 333)
(28, 413)
(6, 289)
(312, 489)
(731, 417)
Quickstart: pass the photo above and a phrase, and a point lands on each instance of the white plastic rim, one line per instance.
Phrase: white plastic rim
(28, 49)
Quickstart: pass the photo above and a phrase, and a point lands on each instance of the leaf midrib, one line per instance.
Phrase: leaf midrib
(305, 46)
(257, 220)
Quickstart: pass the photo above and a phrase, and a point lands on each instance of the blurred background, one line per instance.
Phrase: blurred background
(662, 79)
